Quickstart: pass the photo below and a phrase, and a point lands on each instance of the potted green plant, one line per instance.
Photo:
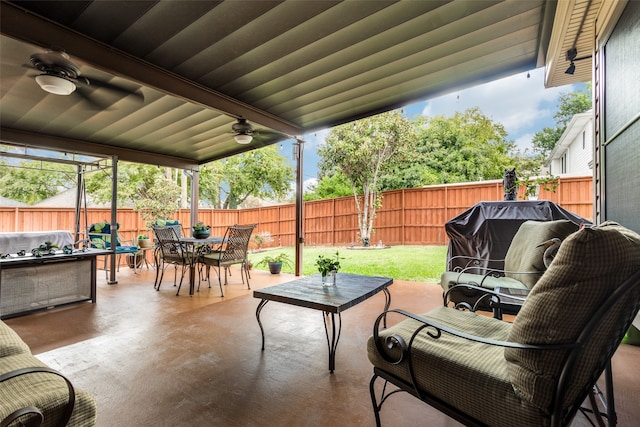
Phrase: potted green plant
(200, 230)
(328, 268)
(144, 241)
(275, 263)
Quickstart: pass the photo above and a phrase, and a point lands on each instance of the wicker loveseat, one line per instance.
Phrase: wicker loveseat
(539, 369)
(31, 392)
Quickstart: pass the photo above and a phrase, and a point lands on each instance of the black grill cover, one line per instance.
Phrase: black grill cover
(486, 229)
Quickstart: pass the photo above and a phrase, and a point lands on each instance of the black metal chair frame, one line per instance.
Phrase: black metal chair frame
(169, 250)
(563, 412)
(232, 250)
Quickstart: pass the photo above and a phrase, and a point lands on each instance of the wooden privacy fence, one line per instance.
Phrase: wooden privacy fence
(407, 217)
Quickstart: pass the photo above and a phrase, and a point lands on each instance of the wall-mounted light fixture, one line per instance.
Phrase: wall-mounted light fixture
(571, 56)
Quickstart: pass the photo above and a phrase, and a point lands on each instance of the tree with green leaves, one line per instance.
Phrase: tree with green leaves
(569, 104)
(465, 147)
(261, 173)
(135, 181)
(32, 181)
(329, 187)
(161, 200)
(362, 151)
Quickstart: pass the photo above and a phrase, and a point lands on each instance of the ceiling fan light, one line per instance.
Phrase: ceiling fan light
(243, 138)
(54, 84)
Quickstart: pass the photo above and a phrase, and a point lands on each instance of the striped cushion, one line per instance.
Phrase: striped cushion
(469, 375)
(589, 265)
(524, 255)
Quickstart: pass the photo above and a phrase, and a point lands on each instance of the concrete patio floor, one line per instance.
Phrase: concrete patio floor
(153, 359)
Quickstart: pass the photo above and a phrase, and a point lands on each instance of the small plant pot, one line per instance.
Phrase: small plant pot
(201, 234)
(144, 243)
(275, 267)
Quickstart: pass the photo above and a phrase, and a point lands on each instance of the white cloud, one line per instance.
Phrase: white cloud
(524, 141)
(307, 183)
(522, 105)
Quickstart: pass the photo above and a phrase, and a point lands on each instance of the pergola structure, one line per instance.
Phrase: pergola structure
(168, 80)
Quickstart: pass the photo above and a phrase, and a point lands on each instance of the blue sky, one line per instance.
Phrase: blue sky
(522, 105)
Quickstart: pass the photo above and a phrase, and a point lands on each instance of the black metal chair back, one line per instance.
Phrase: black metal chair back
(169, 250)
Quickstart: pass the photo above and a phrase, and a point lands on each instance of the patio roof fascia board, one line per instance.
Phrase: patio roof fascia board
(38, 140)
(23, 25)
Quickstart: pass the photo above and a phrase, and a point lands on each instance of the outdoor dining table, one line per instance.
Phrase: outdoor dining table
(196, 246)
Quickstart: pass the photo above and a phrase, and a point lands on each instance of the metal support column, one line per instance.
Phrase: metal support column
(114, 220)
(298, 148)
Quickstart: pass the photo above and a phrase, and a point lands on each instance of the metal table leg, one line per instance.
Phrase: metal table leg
(258, 310)
(332, 338)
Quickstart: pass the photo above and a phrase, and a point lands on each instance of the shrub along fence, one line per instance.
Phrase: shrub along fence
(407, 217)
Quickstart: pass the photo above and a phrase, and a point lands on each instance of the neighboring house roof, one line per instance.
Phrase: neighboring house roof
(10, 202)
(67, 199)
(575, 126)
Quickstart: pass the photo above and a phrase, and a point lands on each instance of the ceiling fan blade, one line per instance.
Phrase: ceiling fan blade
(269, 136)
(91, 100)
(90, 82)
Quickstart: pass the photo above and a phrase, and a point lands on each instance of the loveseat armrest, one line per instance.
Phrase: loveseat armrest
(35, 411)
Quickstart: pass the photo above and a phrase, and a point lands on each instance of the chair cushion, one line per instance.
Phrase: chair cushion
(452, 278)
(590, 264)
(524, 255)
(166, 222)
(469, 375)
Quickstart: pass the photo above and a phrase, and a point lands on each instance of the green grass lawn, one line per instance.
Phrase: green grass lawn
(414, 263)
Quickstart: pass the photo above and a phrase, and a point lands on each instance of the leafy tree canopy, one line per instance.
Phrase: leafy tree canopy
(329, 187)
(32, 181)
(135, 181)
(569, 104)
(466, 147)
(262, 173)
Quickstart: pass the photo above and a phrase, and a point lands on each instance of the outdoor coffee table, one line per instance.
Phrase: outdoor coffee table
(349, 290)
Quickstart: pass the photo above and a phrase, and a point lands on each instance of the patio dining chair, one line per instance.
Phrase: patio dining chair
(99, 235)
(536, 371)
(170, 251)
(232, 250)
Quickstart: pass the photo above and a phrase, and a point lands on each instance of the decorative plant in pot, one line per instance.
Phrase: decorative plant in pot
(328, 268)
(275, 263)
(200, 230)
(144, 241)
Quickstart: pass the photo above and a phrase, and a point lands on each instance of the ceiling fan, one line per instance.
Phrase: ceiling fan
(60, 76)
(243, 131)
